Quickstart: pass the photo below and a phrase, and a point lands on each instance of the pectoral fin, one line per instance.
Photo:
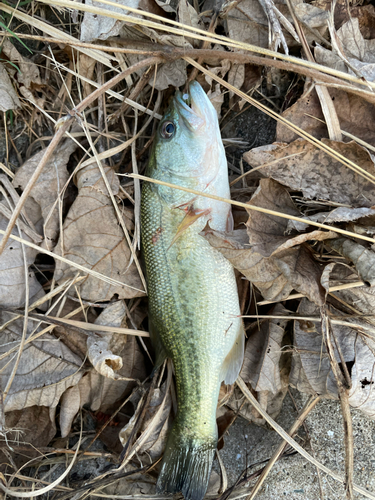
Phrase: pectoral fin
(192, 214)
(233, 362)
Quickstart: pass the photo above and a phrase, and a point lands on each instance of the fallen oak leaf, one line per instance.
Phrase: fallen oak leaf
(93, 238)
(48, 188)
(12, 272)
(316, 174)
(362, 258)
(358, 351)
(46, 369)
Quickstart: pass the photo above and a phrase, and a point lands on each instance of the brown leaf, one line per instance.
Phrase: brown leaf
(358, 352)
(8, 96)
(33, 426)
(93, 238)
(317, 174)
(100, 347)
(267, 233)
(46, 368)
(354, 113)
(275, 277)
(263, 352)
(250, 25)
(362, 258)
(156, 422)
(12, 271)
(29, 71)
(98, 27)
(48, 188)
(100, 393)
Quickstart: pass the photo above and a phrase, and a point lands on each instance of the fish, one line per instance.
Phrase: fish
(194, 313)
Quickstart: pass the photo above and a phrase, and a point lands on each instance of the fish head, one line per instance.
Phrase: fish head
(188, 143)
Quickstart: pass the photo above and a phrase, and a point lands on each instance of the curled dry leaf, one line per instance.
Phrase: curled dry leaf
(46, 368)
(315, 173)
(93, 238)
(358, 352)
(362, 257)
(99, 392)
(47, 191)
(265, 367)
(12, 271)
(8, 96)
(156, 419)
(99, 348)
(359, 52)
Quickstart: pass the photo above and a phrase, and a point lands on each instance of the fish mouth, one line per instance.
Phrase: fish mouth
(197, 115)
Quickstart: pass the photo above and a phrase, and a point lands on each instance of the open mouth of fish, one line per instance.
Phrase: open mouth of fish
(194, 108)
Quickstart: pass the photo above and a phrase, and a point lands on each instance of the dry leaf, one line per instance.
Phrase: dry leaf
(275, 277)
(358, 352)
(29, 71)
(8, 96)
(101, 393)
(135, 486)
(99, 347)
(97, 27)
(12, 271)
(46, 368)
(33, 426)
(48, 188)
(93, 237)
(354, 45)
(311, 15)
(343, 214)
(362, 258)
(315, 173)
(267, 233)
(263, 352)
(354, 114)
(250, 25)
(157, 417)
(188, 15)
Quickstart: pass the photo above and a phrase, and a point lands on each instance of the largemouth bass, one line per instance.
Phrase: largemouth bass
(193, 300)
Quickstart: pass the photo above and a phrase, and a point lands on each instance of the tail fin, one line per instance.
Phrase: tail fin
(187, 465)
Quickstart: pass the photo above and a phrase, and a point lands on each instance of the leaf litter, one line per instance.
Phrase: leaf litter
(73, 209)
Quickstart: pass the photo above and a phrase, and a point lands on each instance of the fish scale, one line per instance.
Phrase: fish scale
(193, 300)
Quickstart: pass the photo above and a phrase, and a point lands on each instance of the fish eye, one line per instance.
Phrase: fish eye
(168, 130)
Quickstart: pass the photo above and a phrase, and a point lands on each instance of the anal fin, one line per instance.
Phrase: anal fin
(233, 362)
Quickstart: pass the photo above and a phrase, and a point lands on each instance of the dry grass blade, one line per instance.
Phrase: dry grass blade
(199, 34)
(336, 288)
(90, 327)
(246, 392)
(51, 486)
(309, 406)
(252, 207)
(56, 33)
(70, 262)
(287, 123)
(62, 127)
